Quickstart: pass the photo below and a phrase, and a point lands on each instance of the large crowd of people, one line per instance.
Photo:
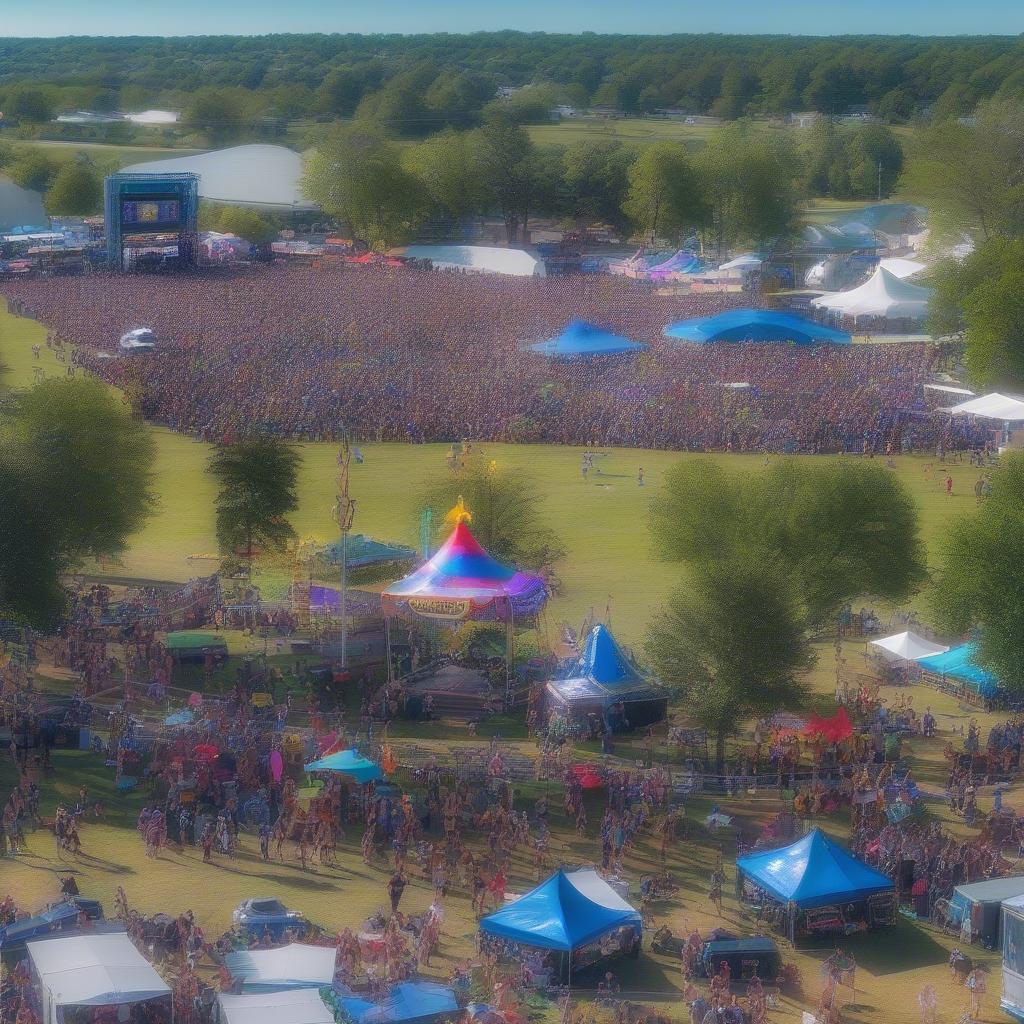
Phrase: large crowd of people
(436, 356)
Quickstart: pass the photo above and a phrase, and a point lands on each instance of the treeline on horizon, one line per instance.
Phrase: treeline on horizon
(421, 83)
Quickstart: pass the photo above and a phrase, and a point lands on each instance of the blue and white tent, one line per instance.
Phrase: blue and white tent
(815, 871)
(581, 340)
(756, 325)
(348, 762)
(564, 913)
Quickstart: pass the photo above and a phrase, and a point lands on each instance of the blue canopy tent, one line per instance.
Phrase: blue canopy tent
(412, 1001)
(603, 677)
(580, 340)
(348, 762)
(814, 872)
(758, 325)
(566, 913)
(958, 664)
(363, 551)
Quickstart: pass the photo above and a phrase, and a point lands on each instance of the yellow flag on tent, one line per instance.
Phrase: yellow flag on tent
(458, 514)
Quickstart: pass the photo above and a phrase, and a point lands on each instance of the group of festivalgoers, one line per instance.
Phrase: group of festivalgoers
(418, 356)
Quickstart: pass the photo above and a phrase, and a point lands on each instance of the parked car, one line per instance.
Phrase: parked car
(265, 913)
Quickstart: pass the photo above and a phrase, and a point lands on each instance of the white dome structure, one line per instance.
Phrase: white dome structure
(882, 295)
(263, 176)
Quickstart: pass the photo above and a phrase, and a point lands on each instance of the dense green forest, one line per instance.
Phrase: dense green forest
(415, 85)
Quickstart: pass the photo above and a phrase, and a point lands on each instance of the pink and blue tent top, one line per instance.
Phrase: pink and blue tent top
(682, 262)
(348, 762)
(463, 582)
(563, 913)
(604, 673)
(756, 325)
(815, 871)
(582, 340)
(958, 663)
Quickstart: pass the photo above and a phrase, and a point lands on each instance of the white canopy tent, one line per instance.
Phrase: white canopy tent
(882, 295)
(908, 646)
(901, 267)
(1008, 408)
(480, 259)
(292, 1006)
(296, 965)
(100, 969)
(949, 389)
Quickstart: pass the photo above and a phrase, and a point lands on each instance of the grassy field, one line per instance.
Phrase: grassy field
(645, 130)
(602, 521)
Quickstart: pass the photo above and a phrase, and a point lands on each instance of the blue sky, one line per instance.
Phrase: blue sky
(812, 17)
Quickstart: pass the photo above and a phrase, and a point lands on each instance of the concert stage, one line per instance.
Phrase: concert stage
(457, 691)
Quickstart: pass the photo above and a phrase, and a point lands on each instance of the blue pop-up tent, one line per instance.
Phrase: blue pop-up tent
(412, 1001)
(815, 871)
(757, 325)
(958, 663)
(603, 676)
(348, 762)
(580, 340)
(563, 913)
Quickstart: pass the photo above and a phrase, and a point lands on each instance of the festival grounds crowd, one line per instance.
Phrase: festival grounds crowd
(436, 356)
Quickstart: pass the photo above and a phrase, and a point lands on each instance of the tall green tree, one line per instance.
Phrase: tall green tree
(749, 183)
(597, 180)
(257, 479)
(446, 165)
(507, 508)
(76, 481)
(841, 531)
(33, 169)
(665, 199)
(77, 190)
(971, 175)
(982, 298)
(359, 176)
(216, 112)
(980, 581)
(733, 639)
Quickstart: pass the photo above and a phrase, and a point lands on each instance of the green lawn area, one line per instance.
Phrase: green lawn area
(101, 151)
(602, 521)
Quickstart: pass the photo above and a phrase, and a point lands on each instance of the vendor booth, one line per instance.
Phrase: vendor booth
(96, 977)
(296, 965)
(461, 583)
(980, 904)
(570, 922)
(1012, 1001)
(956, 672)
(292, 1006)
(815, 888)
(412, 1001)
(607, 685)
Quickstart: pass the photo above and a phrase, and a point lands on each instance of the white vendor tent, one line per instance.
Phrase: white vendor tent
(296, 965)
(293, 1006)
(100, 969)
(993, 407)
(908, 646)
(263, 176)
(481, 259)
(883, 295)
(949, 389)
(901, 267)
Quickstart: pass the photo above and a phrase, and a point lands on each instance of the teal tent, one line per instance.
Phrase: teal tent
(348, 762)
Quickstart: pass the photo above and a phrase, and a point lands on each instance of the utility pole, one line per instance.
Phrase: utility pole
(344, 513)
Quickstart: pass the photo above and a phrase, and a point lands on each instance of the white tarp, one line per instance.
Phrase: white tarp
(296, 965)
(597, 890)
(909, 646)
(293, 1006)
(92, 970)
(949, 389)
(258, 175)
(485, 259)
(901, 267)
(746, 261)
(993, 407)
(883, 294)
